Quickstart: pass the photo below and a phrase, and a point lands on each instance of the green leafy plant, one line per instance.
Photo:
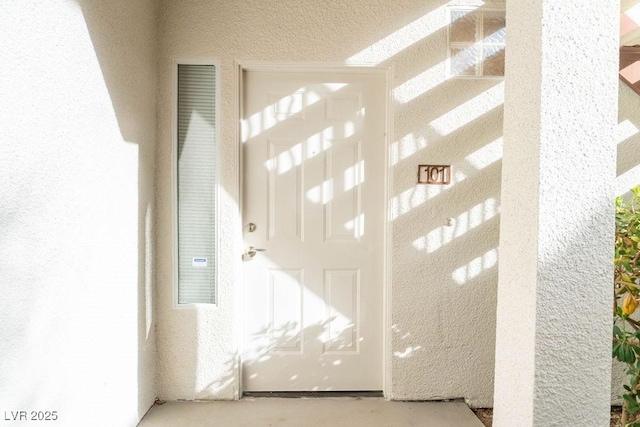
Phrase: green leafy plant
(626, 329)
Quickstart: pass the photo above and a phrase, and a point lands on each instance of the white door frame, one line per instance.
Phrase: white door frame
(316, 67)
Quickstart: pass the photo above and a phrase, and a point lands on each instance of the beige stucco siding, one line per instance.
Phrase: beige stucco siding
(86, 118)
(77, 113)
(444, 278)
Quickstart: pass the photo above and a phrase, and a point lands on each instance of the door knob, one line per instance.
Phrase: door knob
(251, 252)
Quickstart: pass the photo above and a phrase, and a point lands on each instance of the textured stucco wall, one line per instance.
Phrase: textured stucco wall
(554, 296)
(77, 113)
(444, 278)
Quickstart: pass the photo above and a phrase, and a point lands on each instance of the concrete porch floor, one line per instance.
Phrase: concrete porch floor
(310, 412)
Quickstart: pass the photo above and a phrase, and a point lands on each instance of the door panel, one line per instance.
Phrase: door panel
(314, 150)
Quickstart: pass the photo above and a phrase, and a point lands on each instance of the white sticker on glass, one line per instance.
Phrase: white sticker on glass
(199, 262)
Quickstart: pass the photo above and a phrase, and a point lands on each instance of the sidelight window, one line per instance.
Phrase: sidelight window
(196, 155)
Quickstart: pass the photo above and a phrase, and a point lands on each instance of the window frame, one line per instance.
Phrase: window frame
(451, 45)
(174, 180)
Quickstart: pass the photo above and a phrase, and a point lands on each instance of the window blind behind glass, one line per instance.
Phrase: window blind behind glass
(196, 183)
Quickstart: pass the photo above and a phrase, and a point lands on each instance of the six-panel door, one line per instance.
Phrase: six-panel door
(313, 148)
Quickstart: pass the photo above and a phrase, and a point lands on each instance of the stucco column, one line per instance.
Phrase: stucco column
(553, 347)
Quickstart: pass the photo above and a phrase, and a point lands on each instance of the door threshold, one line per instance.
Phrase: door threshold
(311, 394)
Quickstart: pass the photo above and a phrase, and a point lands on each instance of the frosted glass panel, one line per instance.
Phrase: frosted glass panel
(463, 61)
(493, 63)
(463, 27)
(495, 27)
(196, 183)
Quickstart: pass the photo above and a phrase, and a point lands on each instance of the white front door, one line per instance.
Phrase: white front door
(313, 207)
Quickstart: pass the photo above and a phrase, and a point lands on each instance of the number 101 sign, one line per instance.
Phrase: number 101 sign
(434, 174)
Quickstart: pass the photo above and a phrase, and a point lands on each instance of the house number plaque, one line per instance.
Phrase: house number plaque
(434, 174)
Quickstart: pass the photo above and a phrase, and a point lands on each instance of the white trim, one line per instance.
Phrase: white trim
(388, 240)
(310, 67)
(320, 67)
(174, 176)
(239, 303)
